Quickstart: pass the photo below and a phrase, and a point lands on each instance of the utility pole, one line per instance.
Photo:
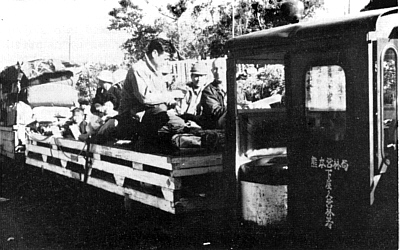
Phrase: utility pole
(349, 8)
(69, 48)
(233, 18)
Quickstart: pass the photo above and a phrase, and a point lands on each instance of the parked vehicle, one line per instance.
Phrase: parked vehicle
(338, 115)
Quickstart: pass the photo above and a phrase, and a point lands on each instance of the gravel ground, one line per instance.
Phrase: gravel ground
(48, 211)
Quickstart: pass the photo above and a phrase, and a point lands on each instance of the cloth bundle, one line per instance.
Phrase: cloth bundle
(52, 94)
(198, 138)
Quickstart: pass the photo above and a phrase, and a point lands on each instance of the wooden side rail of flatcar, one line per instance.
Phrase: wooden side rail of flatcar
(175, 184)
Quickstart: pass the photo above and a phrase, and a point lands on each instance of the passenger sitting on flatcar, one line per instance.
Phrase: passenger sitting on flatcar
(100, 115)
(145, 99)
(213, 99)
(190, 107)
(115, 90)
(84, 104)
(75, 128)
(102, 93)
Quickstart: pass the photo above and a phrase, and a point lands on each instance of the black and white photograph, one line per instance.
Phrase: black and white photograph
(199, 124)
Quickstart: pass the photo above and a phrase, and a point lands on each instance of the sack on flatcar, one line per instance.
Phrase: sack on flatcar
(52, 94)
(186, 141)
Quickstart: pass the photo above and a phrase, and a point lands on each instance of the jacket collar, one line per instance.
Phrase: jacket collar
(149, 64)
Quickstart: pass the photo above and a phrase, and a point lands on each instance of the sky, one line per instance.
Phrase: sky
(76, 30)
(32, 29)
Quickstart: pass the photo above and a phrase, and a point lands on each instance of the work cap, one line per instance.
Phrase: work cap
(106, 76)
(198, 69)
(119, 75)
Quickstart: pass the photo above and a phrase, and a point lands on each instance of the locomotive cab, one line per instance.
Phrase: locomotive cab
(334, 108)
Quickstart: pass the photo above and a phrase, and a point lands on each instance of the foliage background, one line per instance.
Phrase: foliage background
(200, 28)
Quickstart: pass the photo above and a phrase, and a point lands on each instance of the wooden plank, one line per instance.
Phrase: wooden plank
(69, 143)
(196, 161)
(142, 158)
(96, 156)
(40, 138)
(169, 195)
(133, 194)
(138, 175)
(137, 166)
(65, 156)
(119, 180)
(63, 163)
(8, 154)
(3, 128)
(53, 168)
(8, 135)
(198, 204)
(196, 171)
(8, 146)
(160, 161)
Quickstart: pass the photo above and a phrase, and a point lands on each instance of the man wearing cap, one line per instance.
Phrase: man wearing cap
(191, 101)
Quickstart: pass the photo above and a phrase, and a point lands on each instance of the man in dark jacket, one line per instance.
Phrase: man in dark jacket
(213, 100)
(102, 93)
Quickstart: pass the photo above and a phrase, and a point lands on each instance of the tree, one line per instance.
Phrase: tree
(201, 28)
(88, 82)
(249, 16)
(129, 17)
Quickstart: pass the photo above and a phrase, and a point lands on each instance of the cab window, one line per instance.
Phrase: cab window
(260, 93)
(389, 100)
(325, 98)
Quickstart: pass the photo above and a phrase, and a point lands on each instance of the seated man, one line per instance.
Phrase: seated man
(191, 101)
(75, 128)
(144, 96)
(115, 90)
(84, 104)
(190, 107)
(102, 93)
(100, 116)
(213, 100)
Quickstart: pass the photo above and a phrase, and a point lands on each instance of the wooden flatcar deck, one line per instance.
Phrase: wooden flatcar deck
(9, 141)
(175, 184)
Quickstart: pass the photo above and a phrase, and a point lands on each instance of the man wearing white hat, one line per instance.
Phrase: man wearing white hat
(102, 96)
(115, 90)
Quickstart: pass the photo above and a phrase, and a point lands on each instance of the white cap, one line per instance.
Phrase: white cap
(105, 76)
(119, 75)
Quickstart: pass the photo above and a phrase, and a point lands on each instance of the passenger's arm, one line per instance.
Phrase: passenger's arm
(146, 94)
(211, 104)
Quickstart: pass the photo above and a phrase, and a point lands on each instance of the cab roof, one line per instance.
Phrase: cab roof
(294, 33)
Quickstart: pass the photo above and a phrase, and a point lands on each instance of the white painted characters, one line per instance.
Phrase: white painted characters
(329, 163)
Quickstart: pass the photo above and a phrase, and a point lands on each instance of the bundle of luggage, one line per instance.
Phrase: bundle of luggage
(37, 83)
(205, 139)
